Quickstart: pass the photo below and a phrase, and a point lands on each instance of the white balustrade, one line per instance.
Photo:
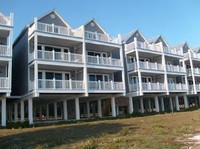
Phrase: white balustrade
(153, 86)
(174, 68)
(100, 85)
(4, 50)
(103, 61)
(4, 83)
(60, 84)
(5, 20)
(97, 36)
(173, 51)
(175, 86)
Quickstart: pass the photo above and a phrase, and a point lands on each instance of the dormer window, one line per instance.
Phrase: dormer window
(53, 16)
(92, 24)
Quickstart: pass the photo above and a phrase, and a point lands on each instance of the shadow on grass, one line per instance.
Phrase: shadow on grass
(56, 136)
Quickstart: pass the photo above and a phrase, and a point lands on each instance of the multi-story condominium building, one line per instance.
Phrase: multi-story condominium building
(156, 74)
(65, 73)
(6, 37)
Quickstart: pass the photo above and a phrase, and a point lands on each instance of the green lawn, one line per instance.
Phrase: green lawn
(150, 132)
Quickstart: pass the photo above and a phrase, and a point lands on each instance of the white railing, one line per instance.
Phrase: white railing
(99, 37)
(195, 71)
(99, 85)
(133, 87)
(197, 87)
(4, 50)
(173, 51)
(195, 55)
(60, 84)
(4, 83)
(103, 61)
(173, 68)
(51, 28)
(179, 87)
(60, 56)
(153, 86)
(5, 20)
(31, 85)
(191, 89)
(146, 65)
(143, 45)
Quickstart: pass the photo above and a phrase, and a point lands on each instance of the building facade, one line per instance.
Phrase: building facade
(67, 73)
(6, 40)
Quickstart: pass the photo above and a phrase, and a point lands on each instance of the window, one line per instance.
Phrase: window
(99, 77)
(146, 79)
(39, 75)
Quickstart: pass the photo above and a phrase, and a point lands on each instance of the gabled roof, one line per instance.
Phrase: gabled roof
(156, 39)
(196, 49)
(181, 45)
(94, 20)
(126, 37)
(53, 11)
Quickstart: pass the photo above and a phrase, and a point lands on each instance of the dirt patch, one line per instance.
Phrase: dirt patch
(190, 141)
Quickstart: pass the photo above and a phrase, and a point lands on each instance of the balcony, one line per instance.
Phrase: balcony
(4, 83)
(178, 69)
(100, 37)
(173, 51)
(106, 86)
(54, 29)
(48, 84)
(96, 60)
(143, 45)
(148, 87)
(177, 87)
(4, 50)
(57, 56)
(196, 71)
(195, 55)
(146, 65)
(4, 20)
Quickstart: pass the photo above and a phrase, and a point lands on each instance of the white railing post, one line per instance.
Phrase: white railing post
(112, 85)
(54, 83)
(156, 66)
(97, 59)
(99, 82)
(53, 28)
(53, 53)
(110, 60)
(149, 86)
(158, 85)
(70, 84)
(69, 56)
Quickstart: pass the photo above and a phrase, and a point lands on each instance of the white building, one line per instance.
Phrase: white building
(6, 37)
(65, 73)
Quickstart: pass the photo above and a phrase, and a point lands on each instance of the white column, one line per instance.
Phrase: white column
(192, 71)
(196, 103)
(156, 104)
(177, 104)
(55, 111)
(130, 105)
(162, 104)
(30, 111)
(149, 105)
(77, 108)
(199, 102)
(171, 104)
(141, 105)
(185, 102)
(99, 108)
(65, 109)
(88, 109)
(22, 110)
(47, 111)
(16, 112)
(113, 106)
(3, 112)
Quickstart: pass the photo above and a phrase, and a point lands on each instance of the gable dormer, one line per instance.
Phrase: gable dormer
(184, 46)
(196, 50)
(93, 26)
(157, 40)
(53, 17)
(129, 38)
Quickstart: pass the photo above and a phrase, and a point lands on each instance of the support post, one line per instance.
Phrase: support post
(65, 109)
(141, 105)
(55, 111)
(3, 112)
(162, 104)
(177, 104)
(22, 110)
(77, 108)
(113, 106)
(186, 102)
(88, 109)
(47, 111)
(16, 112)
(30, 111)
(130, 105)
(99, 108)
(156, 104)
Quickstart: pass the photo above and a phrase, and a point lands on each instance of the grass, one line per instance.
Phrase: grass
(150, 132)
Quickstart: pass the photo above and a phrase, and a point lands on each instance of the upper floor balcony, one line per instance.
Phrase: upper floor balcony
(148, 87)
(196, 71)
(177, 87)
(100, 37)
(6, 20)
(143, 46)
(104, 61)
(145, 65)
(4, 83)
(58, 85)
(55, 29)
(5, 50)
(102, 86)
(56, 56)
(176, 69)
(173, 51)
(195, 55)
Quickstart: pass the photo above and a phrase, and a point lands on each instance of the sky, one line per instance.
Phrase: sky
(176, 20)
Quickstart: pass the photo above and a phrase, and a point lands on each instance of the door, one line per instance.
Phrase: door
(58, 80)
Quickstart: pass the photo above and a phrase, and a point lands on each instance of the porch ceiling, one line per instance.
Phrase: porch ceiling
(58, 68)
(99, 48)
(4, 33)
(145, 55)
(95, 70)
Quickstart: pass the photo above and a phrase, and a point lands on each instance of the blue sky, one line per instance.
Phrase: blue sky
(176, 20)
